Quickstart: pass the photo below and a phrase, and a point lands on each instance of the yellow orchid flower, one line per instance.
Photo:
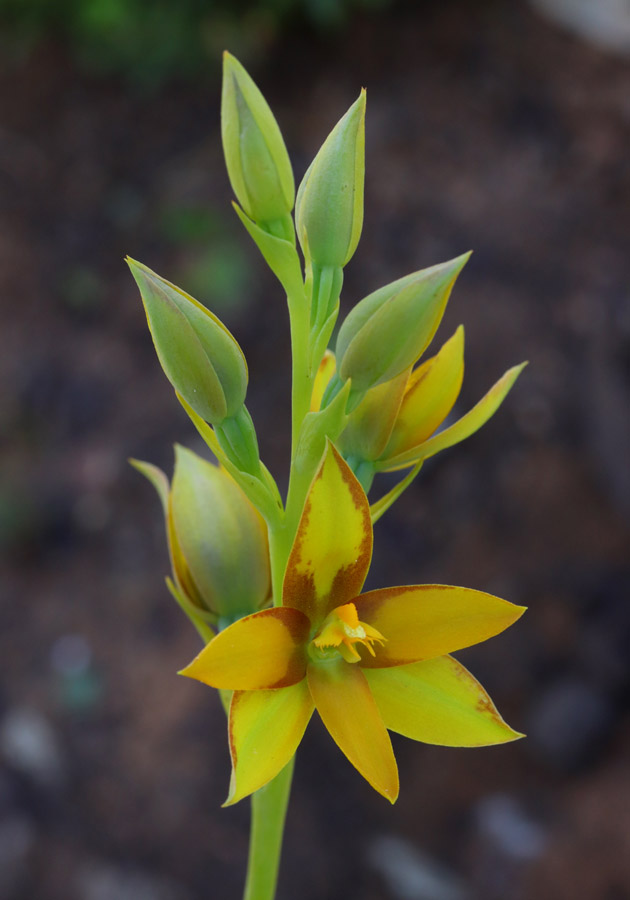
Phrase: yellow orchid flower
(367, 662)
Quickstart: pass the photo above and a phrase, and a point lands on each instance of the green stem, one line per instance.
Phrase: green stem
(269, 809)
(269, 804)
(302, 380)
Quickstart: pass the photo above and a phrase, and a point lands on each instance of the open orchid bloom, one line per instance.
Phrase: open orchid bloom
(367, 662)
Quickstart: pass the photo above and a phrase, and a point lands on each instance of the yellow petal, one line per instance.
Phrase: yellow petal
(432, 390)
(424, 621)
(324, 373)
(463, 428)
(438, 701)
(261, 651)
(265, 729)
(348, 710)
(333, 544)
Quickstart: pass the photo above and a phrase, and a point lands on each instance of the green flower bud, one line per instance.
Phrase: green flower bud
(255, 155)
(222, 537)
(329, 206)
(388, 330)
(199, 356)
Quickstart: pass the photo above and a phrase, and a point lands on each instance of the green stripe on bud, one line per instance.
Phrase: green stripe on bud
(255, 154)
(388, 330)
(198, 354)
(329, 206)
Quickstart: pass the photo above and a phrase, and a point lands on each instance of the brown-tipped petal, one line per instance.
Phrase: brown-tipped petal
(333, 544)
(429, 620)
(438, 701)
(261, 651)
(265, 729)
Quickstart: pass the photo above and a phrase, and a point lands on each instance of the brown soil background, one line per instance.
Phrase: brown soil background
(487, 128)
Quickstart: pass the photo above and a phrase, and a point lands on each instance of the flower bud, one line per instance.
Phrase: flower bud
(458, 431)
(430, 394)
(388, 330)
(329, 206)
(222, 537)
(255, 155)
(199, 356)
(370, 424)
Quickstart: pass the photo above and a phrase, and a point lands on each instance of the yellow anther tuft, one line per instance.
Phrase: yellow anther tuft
(341, 630)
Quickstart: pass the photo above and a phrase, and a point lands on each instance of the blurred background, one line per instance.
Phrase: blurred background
(495, 125)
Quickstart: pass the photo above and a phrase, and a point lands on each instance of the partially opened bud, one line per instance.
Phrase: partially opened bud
(255, 155)
(199, 356)
(222, 537)
(329, 206)
(388, 330)
(458, 431)
(430, 394)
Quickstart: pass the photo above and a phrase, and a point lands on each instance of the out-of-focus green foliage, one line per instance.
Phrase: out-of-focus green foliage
(151, 41)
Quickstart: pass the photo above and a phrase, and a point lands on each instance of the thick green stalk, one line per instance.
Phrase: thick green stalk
(269, 809)
(269, 804)
(302, 379)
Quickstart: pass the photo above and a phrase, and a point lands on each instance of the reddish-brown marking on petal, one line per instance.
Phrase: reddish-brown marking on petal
(262, 651)
(232, 743)
(298, 627)
(299, 589)
(349, 580)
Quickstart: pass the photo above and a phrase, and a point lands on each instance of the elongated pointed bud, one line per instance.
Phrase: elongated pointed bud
(388, 330)
(221, 535)
(255, 155)
(199, 356)
(329, 206)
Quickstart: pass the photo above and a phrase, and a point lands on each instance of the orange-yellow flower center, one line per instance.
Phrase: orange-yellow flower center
(341, 630)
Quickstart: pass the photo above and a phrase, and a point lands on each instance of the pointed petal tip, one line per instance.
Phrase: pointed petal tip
(460, 261)
(228, 60)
